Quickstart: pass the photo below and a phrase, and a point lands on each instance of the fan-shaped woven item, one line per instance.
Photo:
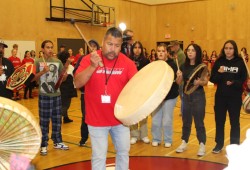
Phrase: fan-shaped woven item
(19, 132)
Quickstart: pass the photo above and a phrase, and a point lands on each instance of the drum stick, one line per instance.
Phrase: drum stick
(83, 37)
(176, 60)
(44, 60)
(243, 57)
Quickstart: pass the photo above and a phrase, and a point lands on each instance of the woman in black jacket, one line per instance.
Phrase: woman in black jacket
(229, 73)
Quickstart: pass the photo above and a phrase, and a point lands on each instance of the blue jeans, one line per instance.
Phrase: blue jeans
(99, 141)
(162, 121)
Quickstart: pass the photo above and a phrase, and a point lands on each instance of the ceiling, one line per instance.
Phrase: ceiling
(158, 2)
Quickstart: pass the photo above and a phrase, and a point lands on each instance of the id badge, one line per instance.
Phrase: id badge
(106, 98)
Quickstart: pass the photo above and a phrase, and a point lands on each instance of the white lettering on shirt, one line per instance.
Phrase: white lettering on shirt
(231, 69)
(117, 71)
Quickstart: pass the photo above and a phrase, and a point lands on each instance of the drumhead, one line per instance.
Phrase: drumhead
(201, 71)
(246, 103)
(19, 132)
(144, 92)
(21, 77)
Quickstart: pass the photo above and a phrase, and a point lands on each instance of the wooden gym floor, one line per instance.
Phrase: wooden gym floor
(71, 136)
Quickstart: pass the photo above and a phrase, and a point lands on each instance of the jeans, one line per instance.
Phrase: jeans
(140, 130)
(194, 108)
(162, 121)
(99, 141)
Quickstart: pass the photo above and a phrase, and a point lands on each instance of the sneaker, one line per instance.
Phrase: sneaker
(61, 146)
(43, 151)
(217, 149)
(133, 140)
(182, 147)
(202, 150)
(167, 145)
(155, 144)
(146, 140)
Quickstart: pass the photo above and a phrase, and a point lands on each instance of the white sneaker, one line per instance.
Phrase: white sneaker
(182, 147)
(202, 150)
(146, 140)
(61, 146)
(43, 151)
(168, 145)
(155, 144)
(133, 140)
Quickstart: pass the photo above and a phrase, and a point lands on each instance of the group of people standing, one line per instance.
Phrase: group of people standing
(101, 86)
(29, 58)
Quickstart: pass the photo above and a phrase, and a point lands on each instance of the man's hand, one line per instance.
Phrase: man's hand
(95, 59)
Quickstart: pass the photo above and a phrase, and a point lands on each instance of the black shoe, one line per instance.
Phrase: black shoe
(82, 143)
(217, 149)
(67, 120)
(31, 97)
(25, 97)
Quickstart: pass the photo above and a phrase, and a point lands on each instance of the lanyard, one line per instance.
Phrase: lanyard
(108, 76)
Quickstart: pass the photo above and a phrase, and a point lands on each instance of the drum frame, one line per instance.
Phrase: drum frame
(203, 74)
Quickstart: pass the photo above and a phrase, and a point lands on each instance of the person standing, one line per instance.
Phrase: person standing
(127, 42)
(6, 70)
(50, 106)
(84, 127)
(16, 61)
(229, 73)
(67, 88)
(102, 88)
(193, 104)
(139, 130)
(162, 117)
(181, 57)
(28, 59)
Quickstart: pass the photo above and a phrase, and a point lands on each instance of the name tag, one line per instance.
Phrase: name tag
(106, 98)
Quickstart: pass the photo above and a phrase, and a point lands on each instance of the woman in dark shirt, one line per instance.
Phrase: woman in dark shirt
(193, 104)
(229, 73)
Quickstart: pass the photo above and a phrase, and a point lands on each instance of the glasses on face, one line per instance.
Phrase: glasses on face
(190, 50)
(228, 48)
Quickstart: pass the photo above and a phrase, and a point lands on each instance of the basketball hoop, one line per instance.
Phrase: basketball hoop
(108, 24)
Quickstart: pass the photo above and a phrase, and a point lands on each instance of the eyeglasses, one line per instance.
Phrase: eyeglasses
(190, 50)
(228, 48)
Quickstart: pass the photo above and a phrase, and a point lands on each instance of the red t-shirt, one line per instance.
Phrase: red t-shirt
(98, 113)
(77, 57)
(15, 61)
(72, 58)
(28, 60)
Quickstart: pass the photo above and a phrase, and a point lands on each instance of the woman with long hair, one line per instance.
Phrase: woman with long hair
(193, 104)
(229, 73)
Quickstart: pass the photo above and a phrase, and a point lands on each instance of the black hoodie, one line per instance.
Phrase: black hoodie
(235, 71)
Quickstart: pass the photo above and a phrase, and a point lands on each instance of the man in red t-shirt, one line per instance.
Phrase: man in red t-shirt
(102, 88)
